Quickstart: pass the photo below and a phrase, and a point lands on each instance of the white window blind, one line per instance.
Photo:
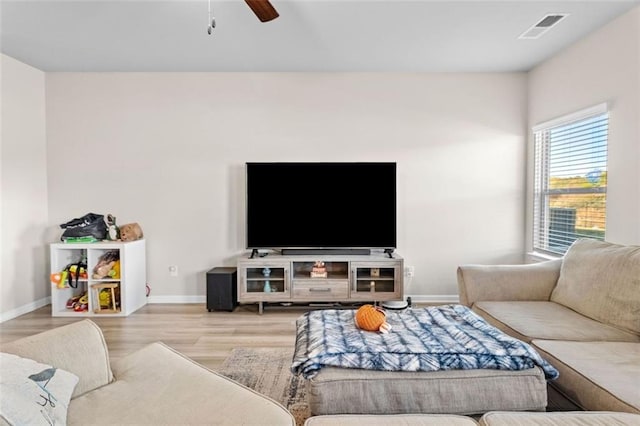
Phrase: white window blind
(570, 179)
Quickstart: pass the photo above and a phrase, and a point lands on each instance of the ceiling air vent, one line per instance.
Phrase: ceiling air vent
(543, 25)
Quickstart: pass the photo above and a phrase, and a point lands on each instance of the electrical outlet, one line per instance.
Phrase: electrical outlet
(409, 271)
(173, 270)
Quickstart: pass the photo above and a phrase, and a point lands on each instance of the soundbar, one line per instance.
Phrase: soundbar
(327, 252)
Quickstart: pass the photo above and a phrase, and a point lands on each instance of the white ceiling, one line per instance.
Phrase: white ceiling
(309, 35)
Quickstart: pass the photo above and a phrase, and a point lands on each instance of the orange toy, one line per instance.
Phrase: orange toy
(60, 278)
(371, 318)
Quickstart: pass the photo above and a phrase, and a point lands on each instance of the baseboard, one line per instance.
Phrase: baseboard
(435, 298)
(25, 309)
(421, 298)
(177, 299)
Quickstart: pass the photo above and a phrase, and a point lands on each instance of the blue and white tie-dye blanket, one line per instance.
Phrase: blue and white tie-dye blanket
(436, 338)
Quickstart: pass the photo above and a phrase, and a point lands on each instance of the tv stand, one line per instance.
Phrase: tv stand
(348, 278)
(389, 252)
(327, 252)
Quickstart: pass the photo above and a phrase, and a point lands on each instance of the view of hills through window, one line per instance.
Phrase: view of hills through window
(570, 183)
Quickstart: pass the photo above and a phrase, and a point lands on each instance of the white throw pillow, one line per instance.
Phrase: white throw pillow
(32, 393)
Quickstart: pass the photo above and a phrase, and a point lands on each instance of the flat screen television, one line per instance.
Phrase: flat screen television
(314, 205)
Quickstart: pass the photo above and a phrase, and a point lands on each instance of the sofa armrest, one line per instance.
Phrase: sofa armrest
(533, 282)
(78, 348)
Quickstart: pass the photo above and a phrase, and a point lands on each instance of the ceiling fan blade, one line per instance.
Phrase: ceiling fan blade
(263, 9)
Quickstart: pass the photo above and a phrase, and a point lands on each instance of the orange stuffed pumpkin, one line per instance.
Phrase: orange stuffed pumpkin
(371, 318)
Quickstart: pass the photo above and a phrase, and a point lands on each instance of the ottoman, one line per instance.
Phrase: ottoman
(354, 391)
(392, 420)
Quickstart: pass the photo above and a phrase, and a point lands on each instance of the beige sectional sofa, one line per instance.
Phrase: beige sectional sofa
(581, 312)
(155, 385)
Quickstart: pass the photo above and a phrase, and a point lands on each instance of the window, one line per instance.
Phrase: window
(570, 179)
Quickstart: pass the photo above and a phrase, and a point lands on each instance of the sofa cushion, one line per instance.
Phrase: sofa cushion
(391, 420)
(356, 391)
(533, 281)
(572, 418)
(157, 385)
(32, 393)
(89, 359)
(596, 375)
(602, 281)
(548, 320)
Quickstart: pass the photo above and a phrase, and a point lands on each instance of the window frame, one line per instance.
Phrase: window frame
(541, 191)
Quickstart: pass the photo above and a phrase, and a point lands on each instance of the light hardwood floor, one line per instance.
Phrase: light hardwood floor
(206, 337)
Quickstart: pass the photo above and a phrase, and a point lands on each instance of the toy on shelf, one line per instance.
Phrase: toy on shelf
(108, 266)
(131, 232)
(107, 297)
(79, 303)
(71, 274)
(115, 270)
(79, 269)
(113, 232)
(59, 279)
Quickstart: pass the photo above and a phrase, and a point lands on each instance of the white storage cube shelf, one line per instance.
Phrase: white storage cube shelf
(131, 285)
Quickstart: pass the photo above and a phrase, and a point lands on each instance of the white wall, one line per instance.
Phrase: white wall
(23, 170)
(168, 150)
(603, 67)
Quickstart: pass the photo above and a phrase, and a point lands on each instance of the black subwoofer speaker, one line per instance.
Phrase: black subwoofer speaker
(222, 289)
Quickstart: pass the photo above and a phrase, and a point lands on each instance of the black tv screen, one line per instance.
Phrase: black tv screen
(321, 205)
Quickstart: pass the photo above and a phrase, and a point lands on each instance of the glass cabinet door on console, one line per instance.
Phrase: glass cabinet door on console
(263, 282)
(376, 281)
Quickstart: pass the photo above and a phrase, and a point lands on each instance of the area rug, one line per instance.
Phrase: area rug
(266, 370)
